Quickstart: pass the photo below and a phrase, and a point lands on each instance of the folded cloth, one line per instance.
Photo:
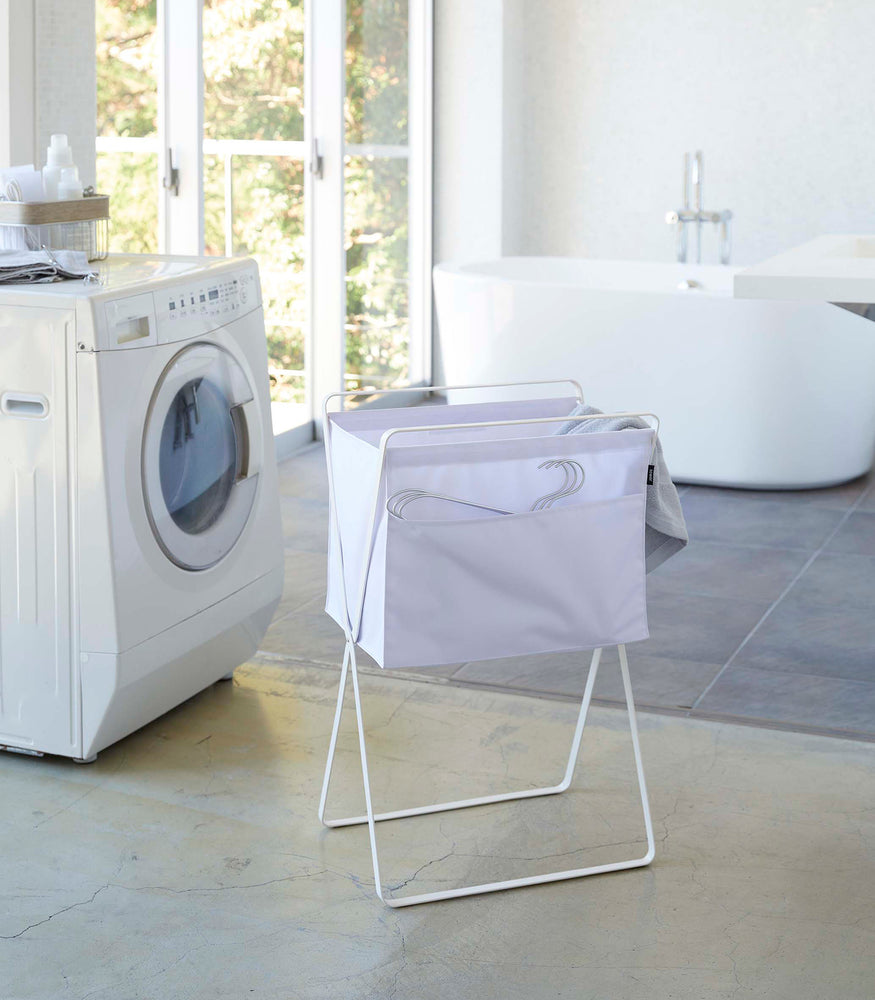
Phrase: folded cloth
(39, 266)
(665, 531)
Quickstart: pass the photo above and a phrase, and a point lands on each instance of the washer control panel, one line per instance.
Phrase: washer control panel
(193, 306)
(214, 298)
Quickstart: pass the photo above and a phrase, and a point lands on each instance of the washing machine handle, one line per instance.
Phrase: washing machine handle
(247, 420)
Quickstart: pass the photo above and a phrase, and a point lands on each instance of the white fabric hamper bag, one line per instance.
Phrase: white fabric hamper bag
(492, 553)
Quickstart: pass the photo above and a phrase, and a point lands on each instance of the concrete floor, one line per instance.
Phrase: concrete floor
(188, 861)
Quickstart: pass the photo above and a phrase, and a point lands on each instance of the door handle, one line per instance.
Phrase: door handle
(24, 404)
(317, 161)
(171, 178)
(247, 423)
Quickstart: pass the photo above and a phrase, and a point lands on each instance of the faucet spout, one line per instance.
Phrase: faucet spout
(699, 180)
(694, 184)
(699, 189)
(687, 179)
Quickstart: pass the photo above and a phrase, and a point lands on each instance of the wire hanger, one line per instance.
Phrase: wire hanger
(574, 477)
(573, 482)
(398, 501)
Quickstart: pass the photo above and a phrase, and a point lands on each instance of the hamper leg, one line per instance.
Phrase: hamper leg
(333, 743)
(636, 748)
(527, 793)
(371, 818)
(645, 859)
(581, 720)
(365, 779)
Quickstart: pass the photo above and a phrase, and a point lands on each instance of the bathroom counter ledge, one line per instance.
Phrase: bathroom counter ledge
(837, 268)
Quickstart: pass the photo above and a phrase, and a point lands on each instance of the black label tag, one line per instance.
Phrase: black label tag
(650, 475)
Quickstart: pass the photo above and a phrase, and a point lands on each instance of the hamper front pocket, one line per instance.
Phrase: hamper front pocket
(564, 578)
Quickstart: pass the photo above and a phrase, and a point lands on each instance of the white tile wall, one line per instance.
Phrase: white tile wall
(468, 129)
(66, 78)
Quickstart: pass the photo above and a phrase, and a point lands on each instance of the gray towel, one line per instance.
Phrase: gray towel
(40, 266)
(665, 531)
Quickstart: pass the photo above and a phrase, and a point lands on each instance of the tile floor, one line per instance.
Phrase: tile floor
(188, 861)
(767, 617)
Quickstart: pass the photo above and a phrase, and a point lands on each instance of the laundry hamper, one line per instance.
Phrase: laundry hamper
(473, 531)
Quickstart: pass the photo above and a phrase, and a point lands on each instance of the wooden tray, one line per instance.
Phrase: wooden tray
(48, 213)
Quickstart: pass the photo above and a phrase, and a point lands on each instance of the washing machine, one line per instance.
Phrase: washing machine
(140, 535)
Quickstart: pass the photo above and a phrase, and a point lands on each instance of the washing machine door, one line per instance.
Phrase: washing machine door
(201, 453)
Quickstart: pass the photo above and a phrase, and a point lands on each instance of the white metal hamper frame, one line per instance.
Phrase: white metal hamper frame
(349, 660)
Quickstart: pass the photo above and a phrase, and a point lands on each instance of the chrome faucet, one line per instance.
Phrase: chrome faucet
(694, 178)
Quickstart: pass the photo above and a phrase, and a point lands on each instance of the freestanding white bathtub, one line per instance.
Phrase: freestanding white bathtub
(758, 394)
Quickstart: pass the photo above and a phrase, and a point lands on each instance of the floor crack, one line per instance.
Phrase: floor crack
(434, 861)
(57, 913)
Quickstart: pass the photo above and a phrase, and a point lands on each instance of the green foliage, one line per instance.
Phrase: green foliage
(131, 181)
(127, 105)
(375, 203)
(127, 99)
(254, 89)
(376, 71)
(377, 292)
(253, 69)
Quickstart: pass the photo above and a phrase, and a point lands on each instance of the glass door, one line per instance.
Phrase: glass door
(371, 121)
(298, 133)
(128, 60)
(376, 202)
(253, 173)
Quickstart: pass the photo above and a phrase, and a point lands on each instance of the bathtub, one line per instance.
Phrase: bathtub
(756, 394)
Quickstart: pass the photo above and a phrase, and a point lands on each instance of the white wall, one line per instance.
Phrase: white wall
(66, 79)
(17, 115)
(602, 97)
(468, 129)
(48, 80)
(468, 135)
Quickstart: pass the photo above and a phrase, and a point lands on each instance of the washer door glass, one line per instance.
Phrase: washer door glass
(199, 477)
(199, 455)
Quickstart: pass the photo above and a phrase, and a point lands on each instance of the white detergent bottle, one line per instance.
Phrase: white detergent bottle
(58, 155)
(69, 186)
